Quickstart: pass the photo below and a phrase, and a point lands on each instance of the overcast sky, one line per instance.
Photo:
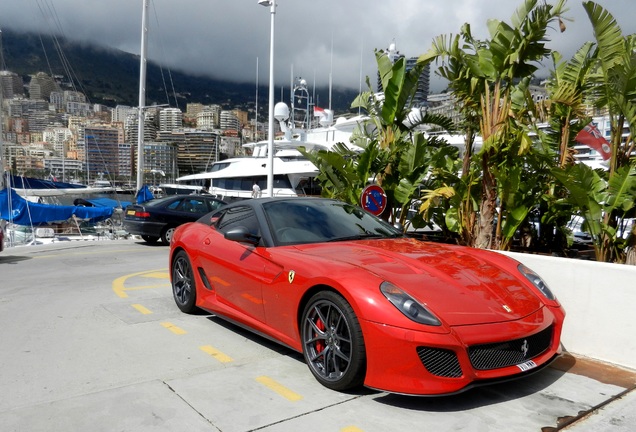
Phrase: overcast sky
(224, 38)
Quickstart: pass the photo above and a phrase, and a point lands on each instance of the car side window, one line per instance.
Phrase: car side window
(189, 205)
(175, 205)
(198, 206)
(213, 204)
(238, 216)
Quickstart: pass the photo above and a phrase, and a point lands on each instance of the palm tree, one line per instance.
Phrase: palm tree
(488, 77)
(395, 154)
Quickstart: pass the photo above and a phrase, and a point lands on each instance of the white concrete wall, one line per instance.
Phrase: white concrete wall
(600, 303)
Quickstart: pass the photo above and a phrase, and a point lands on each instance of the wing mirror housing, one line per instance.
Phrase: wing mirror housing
(242, 235)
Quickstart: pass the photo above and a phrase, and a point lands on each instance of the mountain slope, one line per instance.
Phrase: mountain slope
(111, 77)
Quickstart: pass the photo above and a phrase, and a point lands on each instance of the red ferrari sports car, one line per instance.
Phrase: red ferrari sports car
(363, 303)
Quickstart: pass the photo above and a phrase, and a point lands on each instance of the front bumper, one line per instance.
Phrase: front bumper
(396, 363)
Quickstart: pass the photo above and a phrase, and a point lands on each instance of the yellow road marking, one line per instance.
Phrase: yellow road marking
(173, 328)
(143, 287)
(142, 309)
(158, 275)
(216, 354)
(351, 429)
(119, 284)
(279, 388)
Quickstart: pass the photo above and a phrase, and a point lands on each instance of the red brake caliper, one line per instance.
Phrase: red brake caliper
(320, 344)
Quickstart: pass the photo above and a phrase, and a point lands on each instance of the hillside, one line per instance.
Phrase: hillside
(111, 77)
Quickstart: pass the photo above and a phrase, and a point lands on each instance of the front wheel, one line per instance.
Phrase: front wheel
(183, 285)
(333, 344)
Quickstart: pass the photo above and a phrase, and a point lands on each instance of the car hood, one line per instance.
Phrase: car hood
(461, 285)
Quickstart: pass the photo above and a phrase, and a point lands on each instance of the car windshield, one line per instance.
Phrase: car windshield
(315, 221)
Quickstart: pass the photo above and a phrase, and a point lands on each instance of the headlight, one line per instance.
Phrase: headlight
(408, 305)
(537, 281)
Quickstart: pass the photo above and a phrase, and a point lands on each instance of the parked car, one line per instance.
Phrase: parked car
(157, 219)
(365, 304)
(579, 236)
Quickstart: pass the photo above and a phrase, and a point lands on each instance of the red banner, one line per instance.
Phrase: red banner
(592, 137)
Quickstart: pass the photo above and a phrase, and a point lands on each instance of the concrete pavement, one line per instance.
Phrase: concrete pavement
(91, 340)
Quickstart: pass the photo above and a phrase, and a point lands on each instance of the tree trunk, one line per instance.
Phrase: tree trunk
(487, 208)
(468, 152)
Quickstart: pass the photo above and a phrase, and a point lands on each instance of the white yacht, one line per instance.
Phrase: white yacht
(293, 173)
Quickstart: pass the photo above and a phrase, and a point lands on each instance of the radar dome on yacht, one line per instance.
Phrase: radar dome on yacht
(281, 111)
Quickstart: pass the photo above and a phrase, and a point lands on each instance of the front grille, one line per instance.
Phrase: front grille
(440, 362)
(502, 354)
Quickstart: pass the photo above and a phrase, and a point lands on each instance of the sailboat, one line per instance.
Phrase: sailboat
(21, 201)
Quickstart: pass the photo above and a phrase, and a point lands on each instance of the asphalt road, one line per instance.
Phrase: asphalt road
(92, 341)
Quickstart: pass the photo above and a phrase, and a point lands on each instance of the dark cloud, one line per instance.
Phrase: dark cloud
(224, 38)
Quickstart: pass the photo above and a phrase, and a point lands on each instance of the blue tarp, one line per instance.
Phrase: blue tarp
(19, 182)
(144, 194)
(24, 212)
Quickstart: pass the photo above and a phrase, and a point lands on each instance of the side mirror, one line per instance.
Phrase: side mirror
(242, 235)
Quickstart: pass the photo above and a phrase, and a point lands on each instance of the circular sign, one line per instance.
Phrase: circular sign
(374, 199)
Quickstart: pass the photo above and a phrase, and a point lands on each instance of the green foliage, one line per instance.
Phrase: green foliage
(596, 198)
(395, 154)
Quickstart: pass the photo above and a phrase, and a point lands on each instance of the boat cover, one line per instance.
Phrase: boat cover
(144, 194)
(17, 210)
(19, 182)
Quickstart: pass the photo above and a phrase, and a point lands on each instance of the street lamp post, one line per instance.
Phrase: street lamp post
(142, 96)
(270, 131)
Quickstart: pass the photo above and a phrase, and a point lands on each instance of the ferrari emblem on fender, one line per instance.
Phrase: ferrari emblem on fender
(291, 275)
(507, 308)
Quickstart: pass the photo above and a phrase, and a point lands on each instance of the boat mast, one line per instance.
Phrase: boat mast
(331, 72)
(2, 185)
(142, 96)
(255, 109)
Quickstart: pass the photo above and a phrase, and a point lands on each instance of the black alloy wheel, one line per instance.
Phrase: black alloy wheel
(183, 285)
(333, 344)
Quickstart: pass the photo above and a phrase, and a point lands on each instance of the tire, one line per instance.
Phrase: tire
(183, 286)
(333, 344)
(166, 234)
(150, 239)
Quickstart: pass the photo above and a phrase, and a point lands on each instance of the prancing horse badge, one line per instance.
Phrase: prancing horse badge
(291, 275)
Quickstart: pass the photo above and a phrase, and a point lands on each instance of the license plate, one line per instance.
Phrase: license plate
(130, 212)
(527, 365)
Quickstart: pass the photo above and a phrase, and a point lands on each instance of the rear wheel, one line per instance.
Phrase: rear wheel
(183, 285)
(166, 234)
(333, 344)
(149, 239)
